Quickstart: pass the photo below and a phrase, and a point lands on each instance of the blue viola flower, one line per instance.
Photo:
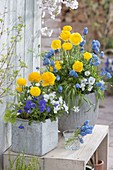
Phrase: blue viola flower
(98, 43)
(46, 61)
(37, 68)
(77, 86)
(86, 122)
(83, 133)
(57, 51)
(57, 77)
(73, 74)
(98, 84)
(49, 54)
(60, 89)
(96, 63)
(103, 88)
(52, 63)
(103, 72)
(55, 70)
(81, 140)
(82, 49)
(102, 54)
(82, 43)
(108, 75)
(85, 31)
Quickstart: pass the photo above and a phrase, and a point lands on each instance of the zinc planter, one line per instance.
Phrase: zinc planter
(34, 139)
(86, 112)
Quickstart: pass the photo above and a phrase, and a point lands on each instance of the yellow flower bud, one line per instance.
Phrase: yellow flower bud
(67, 28)
(19, 89)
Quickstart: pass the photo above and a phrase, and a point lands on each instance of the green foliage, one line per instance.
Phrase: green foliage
(8, 70)
(20, 163)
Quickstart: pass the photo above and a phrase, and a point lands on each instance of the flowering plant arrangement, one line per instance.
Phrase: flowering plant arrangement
(35, 101)
(75, 66)
(80, 132)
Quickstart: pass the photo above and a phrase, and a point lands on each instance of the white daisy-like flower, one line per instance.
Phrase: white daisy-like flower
(87, 73)
(76, 109)
(84, 81)
(91, 80)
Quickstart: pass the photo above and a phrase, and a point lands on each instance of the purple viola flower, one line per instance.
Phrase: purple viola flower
(20, 111)
(55, 105)
(21, 127)
(42, 105)
(48, 109)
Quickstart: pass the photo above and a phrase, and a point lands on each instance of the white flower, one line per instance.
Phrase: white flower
(76, 109)
(91, 80)
(60, 100)
(56, 109)
(46, 97)
(102, 82)
(90, 88)
(84, 81)
(65, 107)
(52, 95)
(87, 73)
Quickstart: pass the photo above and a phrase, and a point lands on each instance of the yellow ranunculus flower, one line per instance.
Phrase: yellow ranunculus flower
(65, 35)
(56, 44)
(51, 68)
(67, 46)
(48, 79)
(67, 28)
(57, 65)
(19, 89)
(87, 55)
(35, 91)
(34, 77)
(21, 81)
(76, 38)
(78, 66)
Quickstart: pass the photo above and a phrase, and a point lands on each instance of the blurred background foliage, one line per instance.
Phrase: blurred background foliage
(97, 15)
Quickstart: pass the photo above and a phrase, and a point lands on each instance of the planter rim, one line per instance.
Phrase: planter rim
(100, 162)
(26, 120)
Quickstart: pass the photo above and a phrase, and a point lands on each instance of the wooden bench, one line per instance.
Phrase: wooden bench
(62, 159)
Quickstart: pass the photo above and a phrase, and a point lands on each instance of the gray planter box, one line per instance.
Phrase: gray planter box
(34, 139)
(75, 119)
